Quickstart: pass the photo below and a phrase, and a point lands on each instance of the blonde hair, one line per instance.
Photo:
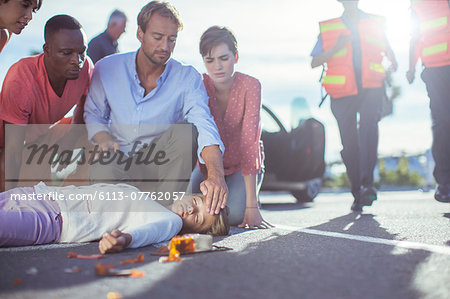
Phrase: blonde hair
(220, 227)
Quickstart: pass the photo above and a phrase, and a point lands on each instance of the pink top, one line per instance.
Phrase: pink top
(28, 98)
(240, 128)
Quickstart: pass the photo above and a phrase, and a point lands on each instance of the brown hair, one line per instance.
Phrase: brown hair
(216, 35)
(164, 9)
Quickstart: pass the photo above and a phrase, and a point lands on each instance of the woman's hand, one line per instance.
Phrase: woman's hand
(116, 241)
(253, 219)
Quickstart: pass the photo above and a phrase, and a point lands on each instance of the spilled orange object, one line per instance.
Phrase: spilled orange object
(188, 243)
(135, 273)
(84, 257)
(114, 295)
(139, 259)
(17, 281)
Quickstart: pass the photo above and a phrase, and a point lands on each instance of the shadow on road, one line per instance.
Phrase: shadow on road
(268, 264)
(51, 265)
(299, 265)
(356, 224)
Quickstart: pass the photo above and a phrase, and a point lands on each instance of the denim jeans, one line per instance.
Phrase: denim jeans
(236, 200)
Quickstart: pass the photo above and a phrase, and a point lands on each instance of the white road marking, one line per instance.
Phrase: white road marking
(401, 244)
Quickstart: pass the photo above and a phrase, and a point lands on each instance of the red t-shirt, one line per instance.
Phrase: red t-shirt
(240, 128)
(28, 98)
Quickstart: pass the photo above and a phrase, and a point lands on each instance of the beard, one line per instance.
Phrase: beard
(156, 59)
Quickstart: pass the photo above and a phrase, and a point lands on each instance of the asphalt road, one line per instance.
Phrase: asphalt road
(398, 248)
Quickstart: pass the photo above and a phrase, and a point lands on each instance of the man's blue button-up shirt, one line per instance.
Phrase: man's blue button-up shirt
(117, 103)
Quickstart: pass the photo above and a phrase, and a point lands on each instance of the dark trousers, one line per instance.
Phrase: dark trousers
(437, 80)
(179, 145)
(359, 137)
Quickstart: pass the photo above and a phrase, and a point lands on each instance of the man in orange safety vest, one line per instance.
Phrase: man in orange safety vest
(430, 42)
(353, 47)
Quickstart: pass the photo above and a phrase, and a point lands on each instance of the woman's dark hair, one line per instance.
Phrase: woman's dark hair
(38, 3)
(217, 35)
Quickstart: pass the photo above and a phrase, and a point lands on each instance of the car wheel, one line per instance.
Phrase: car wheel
(312, 189)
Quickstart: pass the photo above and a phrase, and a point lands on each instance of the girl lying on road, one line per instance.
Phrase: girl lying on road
(120, 216)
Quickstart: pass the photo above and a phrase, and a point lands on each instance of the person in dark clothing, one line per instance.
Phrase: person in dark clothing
(352, 47)
(106, 43)
(429, 42)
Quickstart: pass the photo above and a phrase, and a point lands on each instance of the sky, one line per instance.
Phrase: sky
(275, 39)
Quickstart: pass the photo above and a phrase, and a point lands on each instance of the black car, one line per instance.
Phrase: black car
(294, 161)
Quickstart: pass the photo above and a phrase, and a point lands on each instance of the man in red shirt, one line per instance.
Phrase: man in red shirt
(42, 89)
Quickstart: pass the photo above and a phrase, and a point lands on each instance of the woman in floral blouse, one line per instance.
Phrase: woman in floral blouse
(235, 104)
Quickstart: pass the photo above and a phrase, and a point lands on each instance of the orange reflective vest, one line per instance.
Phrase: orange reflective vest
(434, 29)
(339, 80)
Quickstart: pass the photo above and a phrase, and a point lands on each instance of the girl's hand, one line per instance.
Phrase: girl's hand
(116, 241)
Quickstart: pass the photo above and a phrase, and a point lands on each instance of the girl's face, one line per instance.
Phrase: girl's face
(192, 210)
(219, 63)
(15, 14)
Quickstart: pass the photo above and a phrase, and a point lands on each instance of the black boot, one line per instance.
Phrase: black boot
(442, 193)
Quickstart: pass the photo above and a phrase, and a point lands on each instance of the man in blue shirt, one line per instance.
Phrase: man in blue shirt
(105, 43)
(134, 98)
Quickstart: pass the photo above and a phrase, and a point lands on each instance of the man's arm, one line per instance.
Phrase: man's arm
(210, 146)
(214, 187)
(323, 57)
(391, 56)
(411, 73)
(413, 57)
(96, 115)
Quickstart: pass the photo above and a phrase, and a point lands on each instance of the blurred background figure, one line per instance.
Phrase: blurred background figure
(14, 17)
(106, 43)
(430, 41)
(352, 47)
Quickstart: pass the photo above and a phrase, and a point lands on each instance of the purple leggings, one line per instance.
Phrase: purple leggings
(28, 222)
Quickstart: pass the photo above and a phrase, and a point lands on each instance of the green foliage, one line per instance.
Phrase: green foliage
(340, 181)
(401, 176)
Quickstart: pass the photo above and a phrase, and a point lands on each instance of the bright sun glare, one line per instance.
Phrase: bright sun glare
(397, 15)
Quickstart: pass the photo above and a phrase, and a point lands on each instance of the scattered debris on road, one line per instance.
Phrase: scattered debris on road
(139, 259)
(84, 257)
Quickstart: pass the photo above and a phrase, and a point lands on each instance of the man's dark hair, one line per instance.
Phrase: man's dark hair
(58, 23)
(164, 9)
(38, 3)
